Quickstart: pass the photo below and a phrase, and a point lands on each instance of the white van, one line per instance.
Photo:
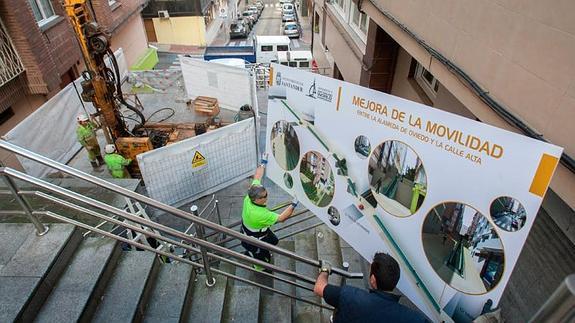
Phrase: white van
(298, 59)
(268, 48)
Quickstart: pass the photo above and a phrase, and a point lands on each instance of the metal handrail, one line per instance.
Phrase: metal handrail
(128, 216)
(171, 256)
(161, 206)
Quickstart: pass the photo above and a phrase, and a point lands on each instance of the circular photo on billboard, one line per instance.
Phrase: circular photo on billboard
(508, 214)
(333, 214)
(288, 180)
(285, 145)
(362, 147)
(463, 248)
(317, 178)
(397, 178)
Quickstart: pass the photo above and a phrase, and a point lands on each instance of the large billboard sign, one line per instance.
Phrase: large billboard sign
(452, 199)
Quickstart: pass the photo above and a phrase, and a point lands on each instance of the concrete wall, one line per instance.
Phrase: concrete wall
(347, 51)
(518, 51)
(22, 108)
(181, 31)
(403, 86)
(131, 36)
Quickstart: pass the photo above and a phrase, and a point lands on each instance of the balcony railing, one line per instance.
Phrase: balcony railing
(10, 63)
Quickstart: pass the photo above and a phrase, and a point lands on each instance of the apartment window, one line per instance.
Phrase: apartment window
(426, 80)
(43, 11)
(359, 22)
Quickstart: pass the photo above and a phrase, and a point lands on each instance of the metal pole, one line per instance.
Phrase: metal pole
(345, 266)
(41, 229)
(210, 279)
(218, 212)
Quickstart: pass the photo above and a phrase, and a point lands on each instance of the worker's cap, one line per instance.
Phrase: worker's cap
(110, 149)
(256, 191)
(82, 117)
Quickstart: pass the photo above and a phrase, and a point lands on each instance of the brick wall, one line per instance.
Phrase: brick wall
(112, 17)
(47, 54)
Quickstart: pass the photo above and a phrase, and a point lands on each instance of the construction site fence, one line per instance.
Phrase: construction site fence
(261, 72)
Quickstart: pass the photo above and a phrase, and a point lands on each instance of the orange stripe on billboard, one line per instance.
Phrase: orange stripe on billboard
(338, 97)
(271, 77)
(543, 175)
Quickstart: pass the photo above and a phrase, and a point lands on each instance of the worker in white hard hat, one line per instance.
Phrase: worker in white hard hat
(116, 163)
(86, 133)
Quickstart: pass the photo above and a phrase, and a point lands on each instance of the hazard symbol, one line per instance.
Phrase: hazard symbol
(198, 160)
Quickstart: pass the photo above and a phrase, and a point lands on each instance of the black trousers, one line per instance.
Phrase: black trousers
(255, 251)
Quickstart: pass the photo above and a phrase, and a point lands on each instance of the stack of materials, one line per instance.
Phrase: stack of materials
(206, 105)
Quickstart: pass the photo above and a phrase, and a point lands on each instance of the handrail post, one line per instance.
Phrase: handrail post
(41, 229)
(217, 202)
(345, 266)
(210, 280)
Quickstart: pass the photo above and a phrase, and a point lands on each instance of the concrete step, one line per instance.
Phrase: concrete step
(274, 307)
(75, 296)
(306, 245)
(171, 294)
(356, 265)
(30, 266)
(242, 303)
(129, 288)
(207, 302)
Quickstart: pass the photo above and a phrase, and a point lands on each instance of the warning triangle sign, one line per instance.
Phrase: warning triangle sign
(198, 160)
(198, 157)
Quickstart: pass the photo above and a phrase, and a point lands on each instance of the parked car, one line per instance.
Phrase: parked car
(254, 10)
(287, 7)
(288, 20)
(260, 6)
(248, 23)
(292, 30)
(288, 16)
(238, 30)
(250, 15)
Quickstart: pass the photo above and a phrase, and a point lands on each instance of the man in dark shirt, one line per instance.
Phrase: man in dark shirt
(378, 305)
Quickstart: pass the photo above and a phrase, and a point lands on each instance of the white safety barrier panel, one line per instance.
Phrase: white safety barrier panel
(51, 130)
(195, 167)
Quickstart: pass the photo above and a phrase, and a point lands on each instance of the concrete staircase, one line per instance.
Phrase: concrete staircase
(63, 277)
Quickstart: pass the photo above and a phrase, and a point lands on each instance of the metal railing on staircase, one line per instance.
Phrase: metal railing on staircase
(143, 228)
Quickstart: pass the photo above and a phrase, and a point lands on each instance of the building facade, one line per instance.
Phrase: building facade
(477, 59)
(44, 56)
(183, 22)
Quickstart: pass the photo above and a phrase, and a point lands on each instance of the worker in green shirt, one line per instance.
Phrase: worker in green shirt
(86, 134)
(257, 219)
(116, 163)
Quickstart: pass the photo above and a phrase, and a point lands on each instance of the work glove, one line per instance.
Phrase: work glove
(325, 267)
(294, 202)
(264, 160)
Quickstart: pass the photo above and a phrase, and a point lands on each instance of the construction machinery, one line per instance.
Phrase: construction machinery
(102, 86)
